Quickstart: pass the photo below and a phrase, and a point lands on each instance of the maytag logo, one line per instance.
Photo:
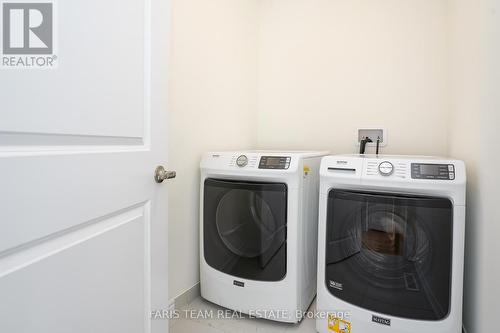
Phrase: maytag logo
(238, 283)
(336, 285)
(380, 320)
(342, 162)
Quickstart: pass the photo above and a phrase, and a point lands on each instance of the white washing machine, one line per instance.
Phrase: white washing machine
(391, 244)
(258, 231)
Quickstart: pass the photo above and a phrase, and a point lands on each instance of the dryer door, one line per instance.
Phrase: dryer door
(244, 228)
(390, 254)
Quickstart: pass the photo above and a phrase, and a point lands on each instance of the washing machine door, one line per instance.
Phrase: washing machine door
(390, 254)
(244, 228)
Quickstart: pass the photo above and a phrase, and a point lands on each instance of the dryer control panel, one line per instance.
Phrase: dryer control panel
(432, 171)
(275, 162)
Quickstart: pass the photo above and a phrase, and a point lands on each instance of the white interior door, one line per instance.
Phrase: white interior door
(83, 229)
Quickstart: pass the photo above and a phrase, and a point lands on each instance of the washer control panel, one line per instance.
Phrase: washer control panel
(433, 171)
(387, 169)
(275, 162)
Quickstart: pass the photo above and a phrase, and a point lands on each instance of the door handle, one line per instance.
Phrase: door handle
(161, 174)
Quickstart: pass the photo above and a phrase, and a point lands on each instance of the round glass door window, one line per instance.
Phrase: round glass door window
(393, 245)
(245, 223)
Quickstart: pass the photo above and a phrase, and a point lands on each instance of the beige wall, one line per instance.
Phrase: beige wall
(213, 96)
(306, 73)
(475, 125)
(466, 89)
(328, 67)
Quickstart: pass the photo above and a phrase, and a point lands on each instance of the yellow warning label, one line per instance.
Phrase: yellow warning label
(338, 325)
(306, 170)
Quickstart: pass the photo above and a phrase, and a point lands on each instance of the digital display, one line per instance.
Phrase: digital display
(429, 169)
(433, 171)
(273, 161)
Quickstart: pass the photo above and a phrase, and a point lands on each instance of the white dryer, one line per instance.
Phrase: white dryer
(258, 231)
(391, 244)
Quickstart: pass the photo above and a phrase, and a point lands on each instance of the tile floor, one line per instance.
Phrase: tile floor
(236, 325)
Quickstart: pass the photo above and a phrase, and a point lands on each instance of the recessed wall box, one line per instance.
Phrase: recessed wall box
(373, 133)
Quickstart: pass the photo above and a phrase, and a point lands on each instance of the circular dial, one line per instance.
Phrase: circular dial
(386, 168)
(242, 161)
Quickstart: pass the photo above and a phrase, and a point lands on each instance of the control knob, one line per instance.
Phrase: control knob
(386, 168)
(242, 161)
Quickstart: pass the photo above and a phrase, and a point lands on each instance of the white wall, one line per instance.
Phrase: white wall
(475, 125)
(327, 67)
(213, 103)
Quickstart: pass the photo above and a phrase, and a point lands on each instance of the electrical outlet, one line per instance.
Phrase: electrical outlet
(373, 133)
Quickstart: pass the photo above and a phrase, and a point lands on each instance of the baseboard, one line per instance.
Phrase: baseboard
(187, 297)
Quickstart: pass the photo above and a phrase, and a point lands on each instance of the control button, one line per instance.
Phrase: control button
(242, 161)
(386, 168)
(451, 168)
(452, 175)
